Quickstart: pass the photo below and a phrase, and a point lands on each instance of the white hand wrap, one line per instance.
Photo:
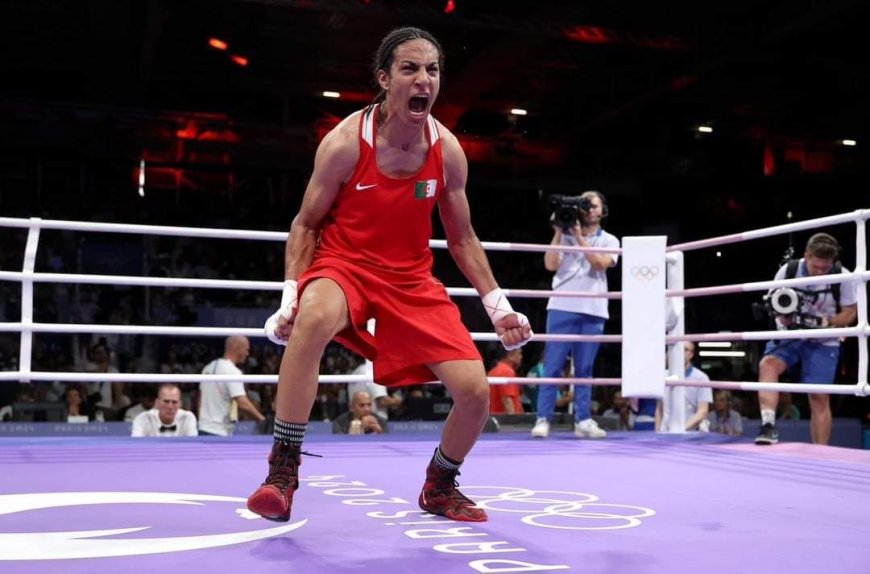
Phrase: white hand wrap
(498, 307)
(496, 304)
(287, 310)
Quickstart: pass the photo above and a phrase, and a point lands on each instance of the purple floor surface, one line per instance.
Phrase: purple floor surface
(634, 503)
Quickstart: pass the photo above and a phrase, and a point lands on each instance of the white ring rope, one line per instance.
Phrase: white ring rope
(854, 217)
(176, 282)
(91, 377)
(766, 285)
(218, 233)
(861, 389)
(129, 280)
(98, 227)
(98, 329)
(28, 277)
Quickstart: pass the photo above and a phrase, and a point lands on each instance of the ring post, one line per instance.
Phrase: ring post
(860, 267)
(26, 349)
(643, 316)
(674, 401)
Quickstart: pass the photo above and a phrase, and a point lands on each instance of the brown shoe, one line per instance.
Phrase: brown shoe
(274, 499)
(441, 496)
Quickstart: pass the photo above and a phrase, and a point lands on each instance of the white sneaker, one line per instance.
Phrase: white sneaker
(541, 428)
(589, 429)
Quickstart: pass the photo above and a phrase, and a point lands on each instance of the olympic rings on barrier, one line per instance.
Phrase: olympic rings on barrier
(645, 272)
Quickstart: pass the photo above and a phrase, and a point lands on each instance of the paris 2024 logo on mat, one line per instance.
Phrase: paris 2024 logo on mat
(76, 540)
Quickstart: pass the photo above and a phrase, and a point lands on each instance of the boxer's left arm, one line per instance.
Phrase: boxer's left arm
(512, 328)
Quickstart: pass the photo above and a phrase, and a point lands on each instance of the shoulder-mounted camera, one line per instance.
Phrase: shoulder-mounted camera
(787, 303)
(567, 208)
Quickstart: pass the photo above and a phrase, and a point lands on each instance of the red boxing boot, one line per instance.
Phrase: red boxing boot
(441, 496)
(274, 499)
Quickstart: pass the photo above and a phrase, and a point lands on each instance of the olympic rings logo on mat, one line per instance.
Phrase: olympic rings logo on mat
(645, 272)
(559, 509)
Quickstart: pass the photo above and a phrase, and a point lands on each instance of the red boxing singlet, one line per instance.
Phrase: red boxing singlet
(383, 223)
(374, 244)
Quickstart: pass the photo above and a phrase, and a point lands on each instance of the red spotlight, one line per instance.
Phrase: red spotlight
(589, 34)
(449, 7)
(217, 44)
(240, 60)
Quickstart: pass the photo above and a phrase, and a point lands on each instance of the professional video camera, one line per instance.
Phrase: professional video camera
(567, 208)
(786, 302)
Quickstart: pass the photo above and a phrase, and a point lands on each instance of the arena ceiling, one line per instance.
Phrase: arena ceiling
(620, 84)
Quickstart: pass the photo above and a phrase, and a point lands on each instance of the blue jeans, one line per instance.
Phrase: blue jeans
(555, 355)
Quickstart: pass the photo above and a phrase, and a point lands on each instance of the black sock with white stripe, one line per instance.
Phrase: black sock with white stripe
(443, 462)
(291, 433)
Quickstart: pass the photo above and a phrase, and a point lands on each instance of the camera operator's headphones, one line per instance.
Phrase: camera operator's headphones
(604, 210)
(825, 240)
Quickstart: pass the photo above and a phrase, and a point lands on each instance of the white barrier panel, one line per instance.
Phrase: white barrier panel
(643, 316)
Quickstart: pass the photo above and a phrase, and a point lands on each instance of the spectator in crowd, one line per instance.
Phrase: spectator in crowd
(146, 395)
(106, 396)
(787, 409)
(167, 418)
(360, 419)
(384, 401)
(621, 411)
(76, 406)
(505, 398)
(529, 396)
(724, 419)
(697, 399)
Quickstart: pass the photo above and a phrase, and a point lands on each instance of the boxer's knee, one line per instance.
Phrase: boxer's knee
(472, 396)
(322, 312)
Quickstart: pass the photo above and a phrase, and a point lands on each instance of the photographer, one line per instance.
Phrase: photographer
(576, 221)
(822, 306)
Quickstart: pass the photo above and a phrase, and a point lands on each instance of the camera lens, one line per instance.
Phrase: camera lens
(784, 301)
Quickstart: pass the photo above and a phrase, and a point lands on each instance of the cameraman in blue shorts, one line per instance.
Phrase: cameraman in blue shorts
(814, 306)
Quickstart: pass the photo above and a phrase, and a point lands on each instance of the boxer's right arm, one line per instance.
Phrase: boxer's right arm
(334, 163)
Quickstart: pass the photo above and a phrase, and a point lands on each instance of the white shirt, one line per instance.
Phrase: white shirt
(148, 423)
(824, 305)
(133, 412)
(215, 399)
(104, 388)
(694, 396)
(575, 273)
(375, 390)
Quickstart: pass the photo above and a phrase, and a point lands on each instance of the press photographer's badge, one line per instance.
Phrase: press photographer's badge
(425, 189)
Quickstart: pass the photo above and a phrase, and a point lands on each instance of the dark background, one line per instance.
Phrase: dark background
(614, 93)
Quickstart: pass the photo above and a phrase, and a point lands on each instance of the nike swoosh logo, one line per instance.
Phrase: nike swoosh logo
(360, 187)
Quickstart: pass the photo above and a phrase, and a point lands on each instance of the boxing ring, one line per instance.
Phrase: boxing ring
(635, 502)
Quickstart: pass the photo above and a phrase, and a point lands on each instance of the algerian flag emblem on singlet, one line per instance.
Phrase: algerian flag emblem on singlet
(424, 189)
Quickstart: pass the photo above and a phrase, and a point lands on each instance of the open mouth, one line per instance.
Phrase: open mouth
(418, 103)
